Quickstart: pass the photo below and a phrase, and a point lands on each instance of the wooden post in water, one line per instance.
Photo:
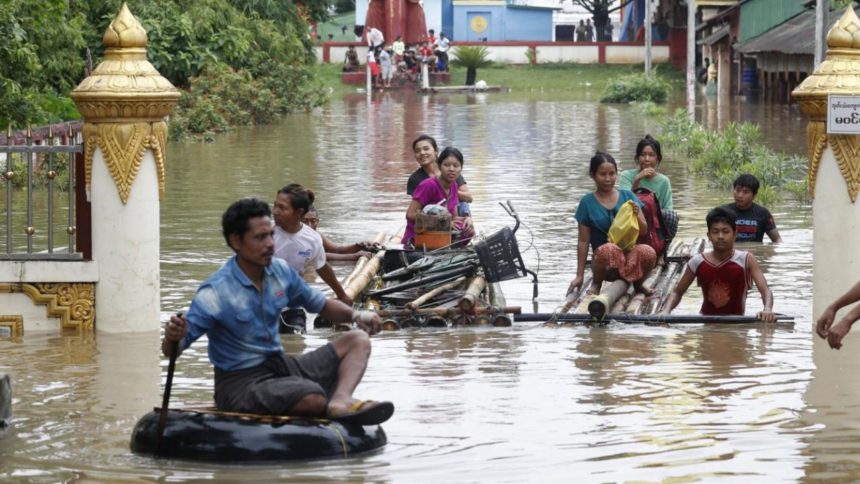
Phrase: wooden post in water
(125, 103)
(5, 399)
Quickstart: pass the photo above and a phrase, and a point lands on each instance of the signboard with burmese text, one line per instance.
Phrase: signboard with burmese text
(843, 114)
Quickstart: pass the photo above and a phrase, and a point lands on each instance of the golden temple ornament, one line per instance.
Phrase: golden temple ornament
(124, 102)
(838, 73)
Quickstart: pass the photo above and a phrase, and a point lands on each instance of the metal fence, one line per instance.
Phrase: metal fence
(39, 180)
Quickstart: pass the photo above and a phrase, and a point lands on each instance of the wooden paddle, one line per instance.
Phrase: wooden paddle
(162, 418)
(647, 318)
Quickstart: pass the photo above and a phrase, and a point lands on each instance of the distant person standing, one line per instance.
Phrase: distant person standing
(375, 39)
(387, 67)
(607, 30)
(589, 31)
(580, 31)
(442, 51)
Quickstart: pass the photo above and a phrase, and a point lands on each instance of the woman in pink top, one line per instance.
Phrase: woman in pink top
(440, 189)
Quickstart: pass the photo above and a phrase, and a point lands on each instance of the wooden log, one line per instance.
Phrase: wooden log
(473, 293)
(419, 301)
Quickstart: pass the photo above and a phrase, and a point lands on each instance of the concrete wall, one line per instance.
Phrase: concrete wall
(635, 54)
(35, 316)
(547, 52)
(585, 54)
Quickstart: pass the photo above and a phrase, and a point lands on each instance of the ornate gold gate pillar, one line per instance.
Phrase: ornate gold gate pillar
(834, 165)
(124, 103)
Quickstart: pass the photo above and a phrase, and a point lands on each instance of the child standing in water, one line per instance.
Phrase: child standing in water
(753, 220)
(725, 274)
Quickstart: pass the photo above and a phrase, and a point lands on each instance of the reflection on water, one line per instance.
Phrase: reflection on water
(474, 404)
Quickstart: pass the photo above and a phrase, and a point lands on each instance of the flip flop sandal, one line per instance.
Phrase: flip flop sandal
(366, 412)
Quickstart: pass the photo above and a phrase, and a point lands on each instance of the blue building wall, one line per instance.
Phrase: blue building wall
(497, 21)
(528, 24)
(494, 16)
(447, 18)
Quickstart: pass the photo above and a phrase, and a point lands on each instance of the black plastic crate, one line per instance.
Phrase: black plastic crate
(500, 256)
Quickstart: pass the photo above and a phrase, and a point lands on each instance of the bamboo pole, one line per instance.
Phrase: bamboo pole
(497, 298)
(367, 272)
(672, 277)
(503, 321)
(419, 301)
(359, 264)
(606, 299)
(436, 322)
(621, 303)
(445, 312)
(473, 293)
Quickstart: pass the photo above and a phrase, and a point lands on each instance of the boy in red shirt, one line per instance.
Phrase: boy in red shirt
(724, 273)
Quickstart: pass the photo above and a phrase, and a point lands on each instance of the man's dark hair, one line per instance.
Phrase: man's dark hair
(720, 214)
(748, 181)
(235, 219)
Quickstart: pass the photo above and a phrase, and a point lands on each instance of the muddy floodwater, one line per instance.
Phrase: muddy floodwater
(752, 402)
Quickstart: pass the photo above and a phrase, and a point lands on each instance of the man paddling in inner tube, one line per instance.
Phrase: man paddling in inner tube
(238, 309)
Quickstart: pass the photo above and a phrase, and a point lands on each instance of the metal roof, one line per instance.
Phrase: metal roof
(716, 36)
(795, 36)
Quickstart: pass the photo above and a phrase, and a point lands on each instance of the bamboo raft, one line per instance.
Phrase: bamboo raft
(619, 298)
(456, 287)
(434, 289)
(442, 288)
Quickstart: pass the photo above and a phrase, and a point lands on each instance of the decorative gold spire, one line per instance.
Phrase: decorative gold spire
(125, 31)
(838, 73)
(125, 87)
(124, 102)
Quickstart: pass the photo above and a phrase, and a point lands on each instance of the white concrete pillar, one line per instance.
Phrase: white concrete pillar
(126, 245)
(834, 176)
(124, 103)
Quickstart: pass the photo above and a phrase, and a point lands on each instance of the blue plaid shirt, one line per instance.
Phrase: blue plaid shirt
(242, 321)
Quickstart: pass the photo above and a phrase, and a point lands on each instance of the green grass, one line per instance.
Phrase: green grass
(559, 78)
(329, 75)
(333, 26)
(554, 77)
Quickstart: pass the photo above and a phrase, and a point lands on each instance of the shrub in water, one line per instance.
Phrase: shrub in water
(636, 87)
